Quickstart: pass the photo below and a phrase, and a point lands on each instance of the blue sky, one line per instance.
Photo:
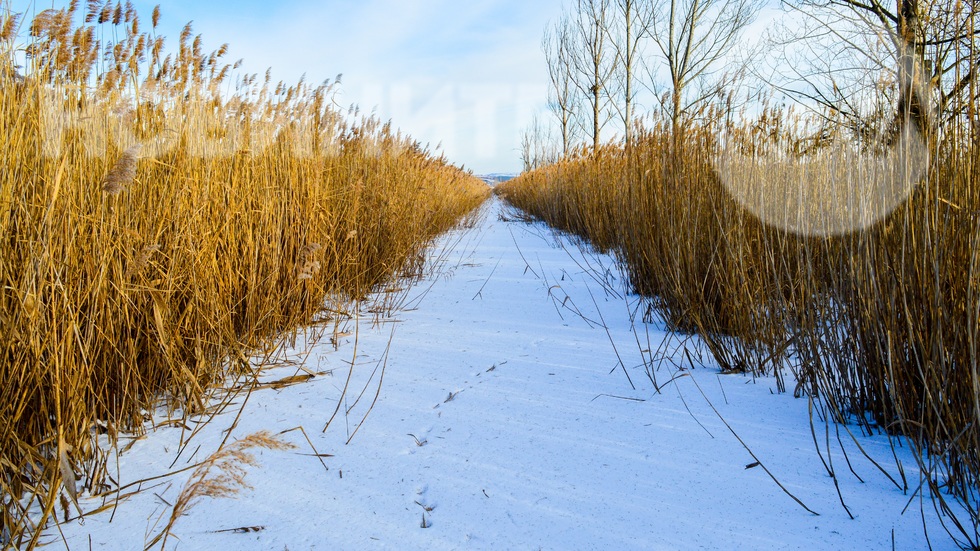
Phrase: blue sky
(468, 75)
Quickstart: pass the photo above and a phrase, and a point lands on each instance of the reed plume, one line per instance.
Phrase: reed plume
(221, 475)
(122, 173)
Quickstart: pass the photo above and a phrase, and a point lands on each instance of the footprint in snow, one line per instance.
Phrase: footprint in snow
(426, 505)
(452, 396)
(421, 438)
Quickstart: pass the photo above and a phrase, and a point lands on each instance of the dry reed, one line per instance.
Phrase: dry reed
(878, 324)
(160, 223)
(221, 475)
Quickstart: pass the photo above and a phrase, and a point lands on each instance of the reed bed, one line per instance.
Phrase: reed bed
(878, 325)
(161, 221)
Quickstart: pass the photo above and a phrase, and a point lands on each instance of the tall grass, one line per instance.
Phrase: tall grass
(160, 223)
(879, 325)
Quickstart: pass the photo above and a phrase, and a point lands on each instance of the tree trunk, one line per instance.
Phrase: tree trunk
(913, 99)
(628, 62)
(596, 106)
(676, 128)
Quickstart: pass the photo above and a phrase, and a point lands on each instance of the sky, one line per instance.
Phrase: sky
(466, 76)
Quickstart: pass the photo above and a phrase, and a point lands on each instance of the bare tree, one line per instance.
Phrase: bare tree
(692, 36)
(594, 61)
(632, 29)
(559, 50)
(918, 57)
(538, 148)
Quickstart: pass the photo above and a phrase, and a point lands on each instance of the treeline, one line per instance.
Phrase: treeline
(616, 64)
(604, 56)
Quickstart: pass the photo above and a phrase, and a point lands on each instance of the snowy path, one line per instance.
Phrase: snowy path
(531, 437)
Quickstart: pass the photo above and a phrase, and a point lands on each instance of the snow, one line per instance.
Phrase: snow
(505, 421)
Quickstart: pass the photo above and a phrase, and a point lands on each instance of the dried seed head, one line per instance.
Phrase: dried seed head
(143, 260)
(42, 22)
(93, 7)
(309, 270)
(9, 27)
(122, 174)
(308, 266)
(106, 13)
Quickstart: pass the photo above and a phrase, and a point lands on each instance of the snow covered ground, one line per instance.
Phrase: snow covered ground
(505, 421)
